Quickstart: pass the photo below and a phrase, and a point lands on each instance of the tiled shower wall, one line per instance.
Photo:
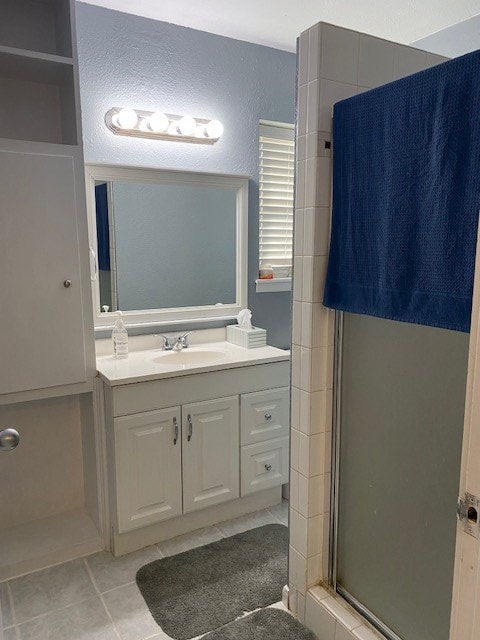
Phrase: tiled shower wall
(334, 64)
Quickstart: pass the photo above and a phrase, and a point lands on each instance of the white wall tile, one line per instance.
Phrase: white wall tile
(303, 48)
(312, 148)
(294, 448)
(304, 446)
(314, 536)
(316, 497)
(303, 495)
(324, 182)
(375, 66)
(300, 185)
(319, 620)
(301, 149)
(295, 406)
(407, 61)
(317, 463)
(294, 494)
(296, 322)
(314, 570)
(311, 179)
(312, 105)
(309, 223)
(342, 633)
(299, 235)
(301, 604)
(298, 532)
(302, 110)
(319, 593)
(297, 278)
(341, 612)
(321, 240)
(295, 351)
(305, 369)
(318, 372)
(330, 93)
(314, 53)
(364, 633)
(339, 57)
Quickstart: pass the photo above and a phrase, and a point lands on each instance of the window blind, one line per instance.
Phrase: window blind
(277, 170)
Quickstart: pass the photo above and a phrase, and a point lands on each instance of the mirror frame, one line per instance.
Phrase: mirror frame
(179, 315)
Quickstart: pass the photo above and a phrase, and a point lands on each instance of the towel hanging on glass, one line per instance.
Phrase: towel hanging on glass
(406, 198)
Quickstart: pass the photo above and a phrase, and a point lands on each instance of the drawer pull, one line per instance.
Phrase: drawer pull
(190, 427)
(268, 416)
(268, 467)
(175, 431)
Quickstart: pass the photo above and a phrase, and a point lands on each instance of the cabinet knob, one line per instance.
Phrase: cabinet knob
(67, 283)
(268, 416)
(268, 467)
(9, 439)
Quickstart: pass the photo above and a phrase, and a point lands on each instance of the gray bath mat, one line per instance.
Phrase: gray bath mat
(205, 588)
(267, 624)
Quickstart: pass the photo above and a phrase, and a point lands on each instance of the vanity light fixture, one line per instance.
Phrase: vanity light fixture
(162, 126)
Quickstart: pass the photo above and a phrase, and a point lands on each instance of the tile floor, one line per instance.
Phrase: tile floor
(96, 598)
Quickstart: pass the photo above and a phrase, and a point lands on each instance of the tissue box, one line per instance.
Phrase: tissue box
(248, 338)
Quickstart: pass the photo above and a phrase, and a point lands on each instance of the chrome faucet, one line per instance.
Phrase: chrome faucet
(181, 342)
(176, 344)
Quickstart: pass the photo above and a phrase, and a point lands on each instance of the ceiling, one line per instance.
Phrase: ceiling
(277, 23)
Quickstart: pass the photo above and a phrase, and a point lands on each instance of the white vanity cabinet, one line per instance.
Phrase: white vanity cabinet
(148, 467)
(210, 453)
(188, 450)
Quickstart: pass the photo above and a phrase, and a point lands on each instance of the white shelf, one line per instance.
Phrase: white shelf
(273, 285)
(35, 55)
(42, 543)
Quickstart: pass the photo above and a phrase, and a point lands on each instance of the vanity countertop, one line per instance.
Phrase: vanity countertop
(156, 364)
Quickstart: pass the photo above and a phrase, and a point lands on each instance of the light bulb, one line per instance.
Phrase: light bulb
(187, 125)
(158, 122)
(214, 129)
(200, 131)
(126, 118)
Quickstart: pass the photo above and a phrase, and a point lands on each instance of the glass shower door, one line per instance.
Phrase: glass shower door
(401, 407)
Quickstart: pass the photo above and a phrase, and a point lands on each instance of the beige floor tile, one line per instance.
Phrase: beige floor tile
(110, 572)
(53, 588)
(189, 541)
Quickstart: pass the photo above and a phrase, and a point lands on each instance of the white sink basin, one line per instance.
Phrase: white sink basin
(190, 356)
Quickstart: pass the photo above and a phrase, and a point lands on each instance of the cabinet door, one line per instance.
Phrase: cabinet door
(210, 453)
(265, 415)
(148, 469)
(42, 337)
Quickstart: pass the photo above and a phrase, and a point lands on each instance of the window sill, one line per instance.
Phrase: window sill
(273, 285)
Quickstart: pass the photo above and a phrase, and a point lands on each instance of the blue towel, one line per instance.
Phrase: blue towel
(406, 198)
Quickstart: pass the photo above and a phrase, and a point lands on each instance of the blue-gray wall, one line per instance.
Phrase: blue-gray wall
(453, 41)
(126, 60)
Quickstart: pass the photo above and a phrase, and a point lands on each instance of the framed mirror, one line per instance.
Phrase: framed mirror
(166, 246)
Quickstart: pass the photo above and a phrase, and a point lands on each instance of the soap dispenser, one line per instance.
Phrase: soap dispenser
(120, 338)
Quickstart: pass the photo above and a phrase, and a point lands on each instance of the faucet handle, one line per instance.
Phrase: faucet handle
(183, 339)
(167, 342)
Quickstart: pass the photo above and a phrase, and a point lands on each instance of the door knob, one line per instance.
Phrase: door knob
(9, 439)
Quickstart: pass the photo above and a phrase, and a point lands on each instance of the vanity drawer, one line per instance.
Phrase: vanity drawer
(265, 415)
(264, 465)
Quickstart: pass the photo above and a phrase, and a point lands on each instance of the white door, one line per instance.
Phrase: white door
(42, 336)
(465, 621)
(210, 434)
(149, 468)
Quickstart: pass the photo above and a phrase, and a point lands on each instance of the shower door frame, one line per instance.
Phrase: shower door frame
(465, 612)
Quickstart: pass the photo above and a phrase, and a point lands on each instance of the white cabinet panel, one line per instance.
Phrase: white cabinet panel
(264, 465)
(210, 434)
(265, 415)
(42, 337)
(148, 468)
